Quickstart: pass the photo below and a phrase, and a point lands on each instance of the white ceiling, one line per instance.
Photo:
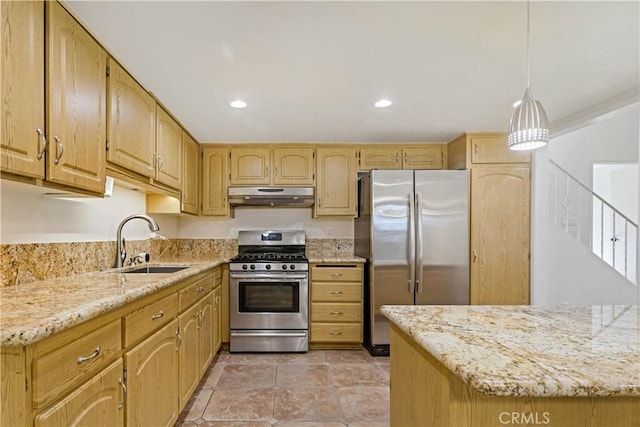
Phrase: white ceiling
(311, 71)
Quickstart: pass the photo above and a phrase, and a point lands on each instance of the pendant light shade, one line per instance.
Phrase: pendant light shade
(529, 127)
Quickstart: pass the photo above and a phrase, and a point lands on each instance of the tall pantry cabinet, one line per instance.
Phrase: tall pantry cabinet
(500, 217)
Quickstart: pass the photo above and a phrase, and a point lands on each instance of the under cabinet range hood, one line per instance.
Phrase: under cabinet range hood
(284, 197)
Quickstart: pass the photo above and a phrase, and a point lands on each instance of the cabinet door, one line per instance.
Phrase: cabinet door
(76, 97)
(98, 402)
(492, 148)
(22, 75)
(214, 180)
(500, 206)
(190, 175)
(168, 149)
(380, 158)
(250, 166)
(188, 363)
(207, 333)
(427, 157)
(217, 319)
(293, 166)
(131, 114)
(336, 185)
(152, 376)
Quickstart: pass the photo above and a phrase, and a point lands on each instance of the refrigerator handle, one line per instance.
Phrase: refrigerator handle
(412, 243)
(419, 254)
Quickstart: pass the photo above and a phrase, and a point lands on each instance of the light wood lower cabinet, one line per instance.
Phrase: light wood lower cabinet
(99, 402)
(136, 365)
(336, 305)
(152, 378)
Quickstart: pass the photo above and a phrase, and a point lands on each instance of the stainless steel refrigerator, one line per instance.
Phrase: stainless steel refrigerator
(413, 229)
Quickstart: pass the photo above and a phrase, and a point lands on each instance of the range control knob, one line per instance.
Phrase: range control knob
(268, 266)
(284, 266)
(292, 267)
(252, 266)
(244, 266)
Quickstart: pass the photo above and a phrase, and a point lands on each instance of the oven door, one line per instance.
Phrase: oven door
(268, 301)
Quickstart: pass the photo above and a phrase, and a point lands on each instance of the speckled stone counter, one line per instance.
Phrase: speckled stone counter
(36, 310)
(328, 259)
(531, 350)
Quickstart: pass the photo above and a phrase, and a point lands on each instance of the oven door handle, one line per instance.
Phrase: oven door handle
(267, 334)
(270, 276)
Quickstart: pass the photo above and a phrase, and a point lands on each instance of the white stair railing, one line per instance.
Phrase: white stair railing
(594, 222)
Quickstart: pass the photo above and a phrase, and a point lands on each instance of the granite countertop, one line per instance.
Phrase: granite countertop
(34, 311)
(531, 350)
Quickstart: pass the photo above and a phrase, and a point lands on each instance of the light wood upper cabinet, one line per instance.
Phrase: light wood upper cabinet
(215, 180)
(131, 113)
(500, 233)
(250, 166)
(336, 185)
(293, 165)
(259, 165)
(190, 175)
(76, 97)
(423, 156)
(22, 76)
(380, 157)
(471, 149)
(168, 150)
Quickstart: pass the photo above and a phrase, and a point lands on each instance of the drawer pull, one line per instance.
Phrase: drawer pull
(93, 355)
(335, 333)
(124, 393)
(178, 339)
(157, 316)
(336, 292)
(336, 313)
(200, 289)
(336, 274)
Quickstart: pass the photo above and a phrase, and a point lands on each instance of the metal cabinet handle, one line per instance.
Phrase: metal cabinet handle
(397, 157)
(336, 292)
(59, 150)
(160, 162)
(44, 143)
(200, 289)
(266, 170)
(475, 148)
(275, 171)
(93, 355)
(336, 274)
(124, 393)
(335, 333)
(179, 338)
(336, 313)
(157, 316)
(475, 255)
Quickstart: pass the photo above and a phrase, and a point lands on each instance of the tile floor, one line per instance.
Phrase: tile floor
(321, 388)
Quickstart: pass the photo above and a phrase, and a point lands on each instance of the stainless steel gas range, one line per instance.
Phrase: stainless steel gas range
(269, 289)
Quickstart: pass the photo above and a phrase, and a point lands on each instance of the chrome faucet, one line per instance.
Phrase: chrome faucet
(121, 254)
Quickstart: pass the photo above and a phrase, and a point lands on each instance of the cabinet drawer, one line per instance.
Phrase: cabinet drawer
(336, 332)
(148, 319)
(330, 312)
(340, 292)
(336, 274)
(72, 364)
(195, 291)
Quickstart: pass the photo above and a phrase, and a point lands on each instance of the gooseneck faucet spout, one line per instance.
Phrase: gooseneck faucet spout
(121, 253)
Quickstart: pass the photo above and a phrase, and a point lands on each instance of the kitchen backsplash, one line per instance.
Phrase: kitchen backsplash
(29, 262)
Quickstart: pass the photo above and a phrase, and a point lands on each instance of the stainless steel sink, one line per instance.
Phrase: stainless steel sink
(157, 269)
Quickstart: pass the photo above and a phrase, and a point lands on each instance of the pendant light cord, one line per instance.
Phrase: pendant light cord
(528, 76)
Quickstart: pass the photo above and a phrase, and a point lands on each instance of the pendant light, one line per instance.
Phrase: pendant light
(529, 127)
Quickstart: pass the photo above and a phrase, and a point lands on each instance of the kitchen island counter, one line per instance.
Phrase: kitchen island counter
(563, 365)
(37, 310)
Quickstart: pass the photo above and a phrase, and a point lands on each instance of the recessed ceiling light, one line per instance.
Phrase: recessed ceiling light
(383, 103)
(238, 103)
